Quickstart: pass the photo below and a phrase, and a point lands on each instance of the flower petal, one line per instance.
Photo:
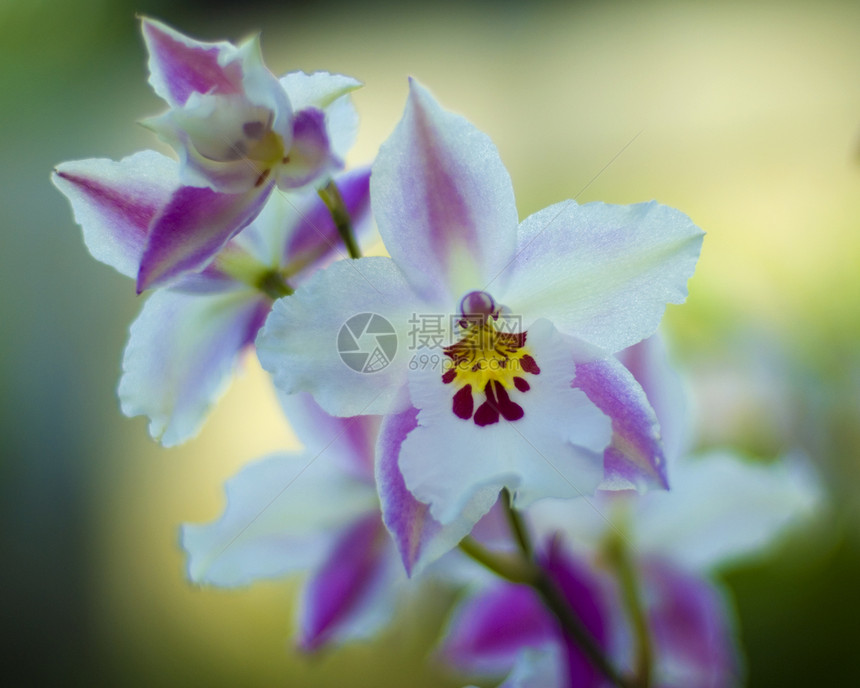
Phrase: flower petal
(181, 354)
(582, 591)
(299, 343)
(722, 508)
(349, 441)
(554, 449)
(649, 362)
(420, 539)
(194, 225)
(634, 459)
(689, 619)
(180, 66)
(488, 630)
(353, 573)
(329, 93)
(601, 272)
(310, 157)
(443, 200)
(114, 203)
(282, 515)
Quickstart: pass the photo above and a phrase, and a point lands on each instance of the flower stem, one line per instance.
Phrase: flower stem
(511, 569)
(330, 195)
(619, 558)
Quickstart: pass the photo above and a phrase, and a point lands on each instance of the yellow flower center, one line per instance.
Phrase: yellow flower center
(490, 362)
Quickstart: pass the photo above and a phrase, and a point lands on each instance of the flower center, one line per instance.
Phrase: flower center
(488, 362)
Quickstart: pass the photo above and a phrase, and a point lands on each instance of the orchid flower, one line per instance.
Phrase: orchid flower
(720, 509)
(186, 341)
(522, 393)
(316, 512)
(239, 132)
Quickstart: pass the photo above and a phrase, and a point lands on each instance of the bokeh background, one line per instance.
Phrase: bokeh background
(744, 115)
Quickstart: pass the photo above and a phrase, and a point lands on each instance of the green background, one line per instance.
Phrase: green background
(744, 115)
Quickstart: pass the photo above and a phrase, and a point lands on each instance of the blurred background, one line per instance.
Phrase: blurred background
(744, 115)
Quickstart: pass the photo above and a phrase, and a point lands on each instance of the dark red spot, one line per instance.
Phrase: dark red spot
(530, 365)
(486, 415)
(508, 409)
(463, 404)
(522, 384)
(449, 375)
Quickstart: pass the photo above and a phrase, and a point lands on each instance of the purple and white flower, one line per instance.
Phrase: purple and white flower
(530, 406)
(187, 340)
(239, 132)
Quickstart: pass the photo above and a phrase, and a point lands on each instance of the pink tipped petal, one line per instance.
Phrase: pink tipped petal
(443, 200)
(180, 66)
(326, 340)
(420, 539)
(191, 229)
(310, 157)
(284, 514)
(114, 203)
(181, 355)
(634, 459)
(488, 630)
(601, 272)
(689, 620)
(353, 569)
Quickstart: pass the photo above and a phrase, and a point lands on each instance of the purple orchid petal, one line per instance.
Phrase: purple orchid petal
(443, 200)
(330, 93)
(190, 230)
(310, 156)
(181, 354)
(583, 594)
(180, 66)
(488, 630)
(354, 567)
(420, 539)
(649, 362)
(634, 458)
(692, 634)
(115, 202)
(315, 238)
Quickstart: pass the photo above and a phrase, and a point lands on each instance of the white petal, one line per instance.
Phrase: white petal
(443, 200)
(601, 272)
(300, 341)
(181, 354)
(281, 515)
(722, 508)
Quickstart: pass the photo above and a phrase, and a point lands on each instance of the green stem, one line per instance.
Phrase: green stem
(619, 557)
(330, 195)
(513, 570)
